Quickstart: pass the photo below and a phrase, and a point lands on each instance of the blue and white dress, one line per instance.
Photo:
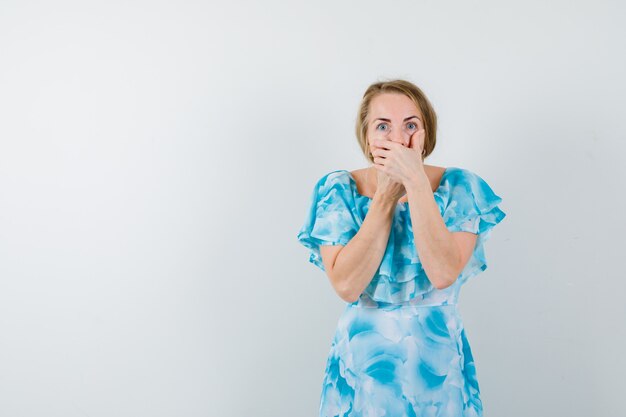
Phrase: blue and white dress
(401, 348)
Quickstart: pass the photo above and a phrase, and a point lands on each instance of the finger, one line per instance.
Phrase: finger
(380, 152)
(384, 143)
(413, 141)
(380, 168)
(417, 140)
(379, 161)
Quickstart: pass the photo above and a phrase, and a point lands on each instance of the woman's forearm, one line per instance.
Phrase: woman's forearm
(438, 252)
(360, 258)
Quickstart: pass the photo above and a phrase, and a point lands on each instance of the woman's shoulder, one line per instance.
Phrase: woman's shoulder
(337, 176)
(460, 176)
(466, 184)
(459, 172)
(333, 185)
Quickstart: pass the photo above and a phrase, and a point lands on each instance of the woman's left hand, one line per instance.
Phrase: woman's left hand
(403, 164)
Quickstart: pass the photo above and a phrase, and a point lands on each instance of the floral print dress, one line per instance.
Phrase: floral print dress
(401, 348)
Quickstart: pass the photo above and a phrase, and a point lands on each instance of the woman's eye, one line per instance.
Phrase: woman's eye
(382, 124)
(412, 124)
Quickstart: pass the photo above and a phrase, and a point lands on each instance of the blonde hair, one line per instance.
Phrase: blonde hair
(429, 117)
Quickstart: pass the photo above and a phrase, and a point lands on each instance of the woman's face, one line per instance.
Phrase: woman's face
(392, 116)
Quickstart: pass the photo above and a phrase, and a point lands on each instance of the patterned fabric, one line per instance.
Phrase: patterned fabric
(466, 203)
(400, 361)
(401, 348)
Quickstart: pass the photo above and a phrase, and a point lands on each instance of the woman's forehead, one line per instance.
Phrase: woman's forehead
(393, 105)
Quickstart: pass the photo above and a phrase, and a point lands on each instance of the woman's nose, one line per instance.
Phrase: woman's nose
(400, 137)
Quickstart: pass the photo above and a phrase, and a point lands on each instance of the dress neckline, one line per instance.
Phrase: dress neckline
(353, 182)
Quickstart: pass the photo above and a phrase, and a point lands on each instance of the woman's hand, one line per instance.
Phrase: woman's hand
(388, 188)
(402, 164)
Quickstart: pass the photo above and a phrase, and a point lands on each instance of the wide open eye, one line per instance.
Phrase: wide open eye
(382, 124)
(412, 125)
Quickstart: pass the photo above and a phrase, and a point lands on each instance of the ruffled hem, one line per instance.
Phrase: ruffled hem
(331, 219)
(383, 289)
(313, 244)
(474, 210)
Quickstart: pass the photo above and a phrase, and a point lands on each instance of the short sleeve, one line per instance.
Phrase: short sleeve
(472, 204)
(472, 207)
(331, 218)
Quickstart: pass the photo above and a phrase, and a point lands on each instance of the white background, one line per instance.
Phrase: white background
(156, 164)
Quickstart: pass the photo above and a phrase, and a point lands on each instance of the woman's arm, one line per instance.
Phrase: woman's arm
(443, 254)
(350, 268)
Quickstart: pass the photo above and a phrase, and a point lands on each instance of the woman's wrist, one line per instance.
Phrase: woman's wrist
(418, 183)
(385, 202)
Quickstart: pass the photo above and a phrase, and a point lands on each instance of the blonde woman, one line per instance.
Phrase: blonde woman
(397, 241)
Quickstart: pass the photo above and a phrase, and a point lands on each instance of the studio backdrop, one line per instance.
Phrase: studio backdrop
(157, 160)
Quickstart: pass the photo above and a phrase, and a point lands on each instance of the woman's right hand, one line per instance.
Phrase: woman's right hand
(387, 188)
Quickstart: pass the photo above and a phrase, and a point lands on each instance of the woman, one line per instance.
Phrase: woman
(397, 241)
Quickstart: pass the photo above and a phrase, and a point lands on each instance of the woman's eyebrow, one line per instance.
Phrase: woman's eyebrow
(387, 120)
